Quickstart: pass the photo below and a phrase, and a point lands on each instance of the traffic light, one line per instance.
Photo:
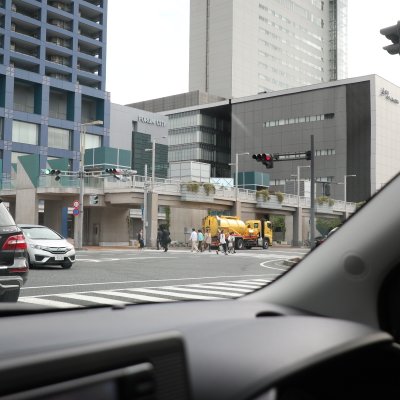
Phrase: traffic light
(113, 171)
(266, 159)
(56, 172)
(308, 155)
(94, 199)
(393, 34)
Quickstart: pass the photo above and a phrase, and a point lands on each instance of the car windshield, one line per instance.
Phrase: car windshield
(40, 233)
(203, 160)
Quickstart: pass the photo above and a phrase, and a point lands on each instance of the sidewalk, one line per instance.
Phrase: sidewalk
(102, 248)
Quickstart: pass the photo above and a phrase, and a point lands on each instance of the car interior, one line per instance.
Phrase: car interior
(327, 329)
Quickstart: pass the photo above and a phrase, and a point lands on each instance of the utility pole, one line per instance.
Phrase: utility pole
(145, 204)
(312, 206)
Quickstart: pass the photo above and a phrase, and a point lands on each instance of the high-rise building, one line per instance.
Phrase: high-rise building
(244, 47)
(52, 79)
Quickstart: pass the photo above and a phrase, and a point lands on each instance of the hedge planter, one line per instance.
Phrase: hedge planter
(195, 191)
(273, 201)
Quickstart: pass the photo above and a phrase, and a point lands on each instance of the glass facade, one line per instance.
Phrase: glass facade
(140, 157)
(25, 132)
(92, 141)
(200, 136)
(59, 138)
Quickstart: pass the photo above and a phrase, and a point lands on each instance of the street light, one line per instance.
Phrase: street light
(81, 175)
(153, 159)
(236, 164)
(298, 182)
(345, 193)
(299, 219)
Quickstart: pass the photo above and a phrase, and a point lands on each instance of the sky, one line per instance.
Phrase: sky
(148, 46)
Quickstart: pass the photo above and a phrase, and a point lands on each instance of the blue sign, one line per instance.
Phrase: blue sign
(75, 211)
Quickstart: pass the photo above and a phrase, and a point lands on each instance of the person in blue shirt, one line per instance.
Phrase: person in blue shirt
(200, 239)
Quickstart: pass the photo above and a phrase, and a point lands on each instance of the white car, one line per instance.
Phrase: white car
(47, 247)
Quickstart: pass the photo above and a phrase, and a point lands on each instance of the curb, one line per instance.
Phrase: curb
(291, 262)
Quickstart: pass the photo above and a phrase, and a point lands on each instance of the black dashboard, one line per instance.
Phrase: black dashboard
(193, 350)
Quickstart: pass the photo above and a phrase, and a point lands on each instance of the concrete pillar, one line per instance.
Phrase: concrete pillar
(237, 208)
(26, 206)
(152, 219)
(290, 224)
(53, 214)
(298, 227)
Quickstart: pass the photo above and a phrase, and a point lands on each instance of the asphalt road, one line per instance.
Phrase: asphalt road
(116, 277)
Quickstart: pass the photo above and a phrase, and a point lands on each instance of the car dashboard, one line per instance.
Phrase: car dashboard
(192, 350)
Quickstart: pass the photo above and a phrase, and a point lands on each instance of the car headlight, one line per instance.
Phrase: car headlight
(37, 246)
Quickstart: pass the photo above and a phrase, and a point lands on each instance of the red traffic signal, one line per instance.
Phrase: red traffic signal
(265, 158)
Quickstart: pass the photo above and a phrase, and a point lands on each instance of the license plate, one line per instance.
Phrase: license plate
(59, 258)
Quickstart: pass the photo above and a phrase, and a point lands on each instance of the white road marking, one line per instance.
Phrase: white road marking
(132, 296)
(45, 302)
(221, 286)
(192, 290)
(92, 299)
(210, 291)
(120, 259)
(174, 294)
(143, 281)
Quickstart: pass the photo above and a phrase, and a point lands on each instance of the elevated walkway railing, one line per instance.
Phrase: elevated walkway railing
(139, 183)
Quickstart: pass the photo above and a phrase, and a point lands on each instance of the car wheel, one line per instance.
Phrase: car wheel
(239, 244)
(265, 244)
(66, 264)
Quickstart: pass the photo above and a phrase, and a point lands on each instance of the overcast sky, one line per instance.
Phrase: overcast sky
(148, 46)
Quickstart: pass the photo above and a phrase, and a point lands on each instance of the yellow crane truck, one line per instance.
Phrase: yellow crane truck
(248, 234)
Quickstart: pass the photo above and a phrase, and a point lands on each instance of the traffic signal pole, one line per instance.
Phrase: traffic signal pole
(312, 206)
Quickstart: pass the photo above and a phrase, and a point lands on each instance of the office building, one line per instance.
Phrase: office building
(354, 122)
(135, 130)
(244, 47)
(52, 80)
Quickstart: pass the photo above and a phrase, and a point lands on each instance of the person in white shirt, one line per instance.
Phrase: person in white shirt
(193, 238)
(222, 241)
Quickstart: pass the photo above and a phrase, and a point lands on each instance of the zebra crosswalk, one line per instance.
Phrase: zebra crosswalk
(154, 294)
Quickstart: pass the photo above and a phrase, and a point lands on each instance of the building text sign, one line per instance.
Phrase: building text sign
(147, 120)
(386, 93)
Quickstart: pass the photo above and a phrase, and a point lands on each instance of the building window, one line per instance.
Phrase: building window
(92, 141)
(24, 132)
(1, 128)
(298, 120)
(59, 138)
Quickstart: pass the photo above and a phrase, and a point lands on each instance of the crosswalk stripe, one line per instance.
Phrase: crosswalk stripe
(205, 291)
(174, 294)
(221, 287)
(133, 296)
(92, 299)
(46, 302)
(191, 289)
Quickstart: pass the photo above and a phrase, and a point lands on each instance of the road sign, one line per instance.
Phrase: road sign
(75, 211)
(75, 203)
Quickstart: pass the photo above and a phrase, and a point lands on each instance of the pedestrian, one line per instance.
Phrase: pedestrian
(231, 242)
(207, 240)
(193, 239)
(165, 239)
(140, 239)
(200, 239)
(222, 241)
(159, 236)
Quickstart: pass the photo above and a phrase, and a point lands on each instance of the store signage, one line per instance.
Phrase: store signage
(147, 120)
(386, 93)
